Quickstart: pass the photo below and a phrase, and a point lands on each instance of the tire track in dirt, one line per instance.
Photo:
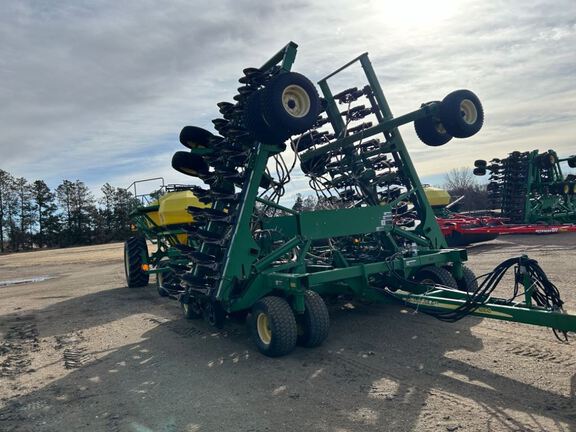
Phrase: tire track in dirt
(16, 349)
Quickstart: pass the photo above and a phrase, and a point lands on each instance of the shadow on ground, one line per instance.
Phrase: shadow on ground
(381, 369)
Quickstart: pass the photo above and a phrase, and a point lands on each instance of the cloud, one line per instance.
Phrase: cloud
(99, 90)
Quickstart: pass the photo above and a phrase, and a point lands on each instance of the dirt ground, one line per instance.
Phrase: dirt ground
(80, 351)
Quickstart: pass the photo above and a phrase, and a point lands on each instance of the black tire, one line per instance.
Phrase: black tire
(254, 122)
(431, 131)
(468, 283)
(314, 323)
(462, 114)
(214, 314)
(189, 164)
(165, 279)
(290, 103)
(435, 275)
(273, 326)
(479, 163)
(192, 310)
(194, 137)
(479, 171)
(135, 255)
(572, 162)
(161, 280)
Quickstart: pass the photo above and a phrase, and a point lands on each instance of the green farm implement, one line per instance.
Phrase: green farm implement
(229, 248)
(530, 187)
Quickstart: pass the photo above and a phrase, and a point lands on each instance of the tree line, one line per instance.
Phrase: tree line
(34, 216)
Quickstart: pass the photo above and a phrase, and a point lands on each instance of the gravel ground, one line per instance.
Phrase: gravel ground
(80, 351)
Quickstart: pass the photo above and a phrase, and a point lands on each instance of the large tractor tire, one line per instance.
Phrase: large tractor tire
(273, 326)
(468, 283)
(432, 275)
(135, 256)
(314, 324)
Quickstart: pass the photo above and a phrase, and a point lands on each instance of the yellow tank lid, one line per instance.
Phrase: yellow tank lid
(436, 196)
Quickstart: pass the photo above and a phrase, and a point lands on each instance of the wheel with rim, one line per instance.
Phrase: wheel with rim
(462, 114)
(290, 103)
(433, 275)
(192, 309)
(135, 257)
(273, 326)
(431, 131)
(314, 323)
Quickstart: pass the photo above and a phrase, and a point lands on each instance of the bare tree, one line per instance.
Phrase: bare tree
(459, 179)
(462, 182)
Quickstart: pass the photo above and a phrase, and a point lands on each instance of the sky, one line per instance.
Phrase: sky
(99, 90)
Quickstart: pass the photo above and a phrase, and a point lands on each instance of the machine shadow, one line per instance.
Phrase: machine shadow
(377, 371)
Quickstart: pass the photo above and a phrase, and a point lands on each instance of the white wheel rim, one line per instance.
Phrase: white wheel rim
(468, 111)
(296, 101)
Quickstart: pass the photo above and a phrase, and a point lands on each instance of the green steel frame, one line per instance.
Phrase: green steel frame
(541, 205)
(253, 267)
(542, 197)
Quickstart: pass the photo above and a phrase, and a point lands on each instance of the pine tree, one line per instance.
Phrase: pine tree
(25, 213)
(6, 181)
(65, 193)
(82, 209)
(108, 211)
(124, 202)
(298, 204)
(46, 218)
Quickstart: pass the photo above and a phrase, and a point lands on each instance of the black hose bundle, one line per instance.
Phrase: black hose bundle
(543, 292)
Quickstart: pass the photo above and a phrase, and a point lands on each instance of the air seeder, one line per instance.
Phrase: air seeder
(529, 187)
(376, 239)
